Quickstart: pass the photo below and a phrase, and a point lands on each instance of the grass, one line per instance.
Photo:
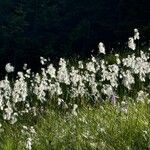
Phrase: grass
(43, 118)
(104, 127)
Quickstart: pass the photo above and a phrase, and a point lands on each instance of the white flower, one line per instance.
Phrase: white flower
(51, 71)
(90, 67)
(136, 34)
(14, 118)
(128, 79)
(9, 68)
(142, 96)
(25, 127)
(43, 60)
(32, 130)
(107, 90)
(74, 76)
(118, 59)
(93, 59)
(75, 106)
(101, 48)
(60, 101)
(62, 74)
(131, 43)
(29, 144)
(80, 63)
(24, 66)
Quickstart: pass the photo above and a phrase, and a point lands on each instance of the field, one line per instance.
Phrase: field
(104, 128)
(99, 103)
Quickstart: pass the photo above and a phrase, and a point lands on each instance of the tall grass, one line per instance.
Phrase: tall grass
(100, 103)
(100, 127)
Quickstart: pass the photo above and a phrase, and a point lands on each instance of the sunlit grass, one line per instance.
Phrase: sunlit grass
(105, 127)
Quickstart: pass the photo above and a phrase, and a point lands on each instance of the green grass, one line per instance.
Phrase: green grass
(104, 127)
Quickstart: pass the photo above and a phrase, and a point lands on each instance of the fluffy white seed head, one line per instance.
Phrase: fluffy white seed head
(9, 68)
(136, 34)
(131, 44)
(101, 48)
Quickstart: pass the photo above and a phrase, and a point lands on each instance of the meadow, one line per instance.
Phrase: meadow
(102, 103)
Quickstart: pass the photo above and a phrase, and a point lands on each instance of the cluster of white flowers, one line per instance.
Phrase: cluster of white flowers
(30, 134)
(29, 144)
(131, 41)
(63, 75)
(128, 79)
(138, 65)
(90, 67)
(67, 84)
(107, 89)
(43, 60)
(142, 96)
(93, 79)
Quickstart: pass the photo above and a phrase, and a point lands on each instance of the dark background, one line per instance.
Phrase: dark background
(67, 28)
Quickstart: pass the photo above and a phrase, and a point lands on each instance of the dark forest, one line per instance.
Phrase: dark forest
(67, 28)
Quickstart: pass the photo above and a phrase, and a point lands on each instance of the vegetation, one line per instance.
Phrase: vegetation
(104, 127)
(100, 103)
(89, 90)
